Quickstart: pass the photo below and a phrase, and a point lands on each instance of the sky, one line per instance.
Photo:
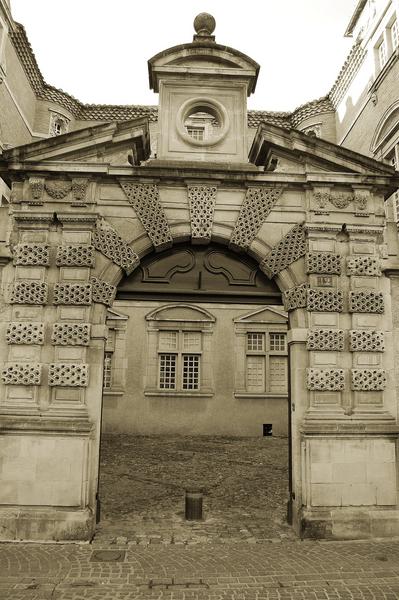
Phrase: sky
(97, 50)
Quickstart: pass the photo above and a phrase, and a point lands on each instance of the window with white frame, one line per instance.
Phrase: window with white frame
(179, 357)
(266, 362)
(382, 54)
(197, 133)
(107, 373)
(395, 34)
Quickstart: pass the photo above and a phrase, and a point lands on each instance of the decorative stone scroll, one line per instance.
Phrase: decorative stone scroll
(31, 254)
(102, 292)
(289, 249)
(107, 241)
(75, 256)
(25, 333)
(324, 263)
(68, 374)
(29, 292)
(70, 334)
(254, 211)
(366, 340)
(325, 380)
(201, 199)
(21, 374)
(72, 293)
(363, 265)
(144, 198)
(58, 189)
(36, 187)
(296, 297)
(367, 301)
(325, 339)
(368, 380)
(79, 187)
(325, 301)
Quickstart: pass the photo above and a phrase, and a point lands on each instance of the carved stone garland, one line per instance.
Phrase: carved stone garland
(102, 292)
(363, 265)
(68, 374)
(75, 256)
(254, 211)
(325, 339)
(367, 301)
(70, 334)
(29, 292)
(296, 297)
(31, 254)
(144, 198)
(368, 380)
(21, 374)
(107, 241)
(341, 200)
(323, 263)
(58, 189)
(201, 200)
(289, 249)
(25, 333)
(325, 380)
(366, 340)
(72, 293)
(325, 301)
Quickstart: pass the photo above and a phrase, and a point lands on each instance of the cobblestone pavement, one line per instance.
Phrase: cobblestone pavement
(143, 481)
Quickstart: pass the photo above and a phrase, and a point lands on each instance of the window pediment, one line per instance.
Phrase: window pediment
(181, 312)
(264, 316)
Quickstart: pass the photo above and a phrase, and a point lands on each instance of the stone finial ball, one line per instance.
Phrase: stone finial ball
(204, 23)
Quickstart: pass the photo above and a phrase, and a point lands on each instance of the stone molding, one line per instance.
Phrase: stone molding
(70, 334)
(325, 380)
(31, 254)
(368, 380)
(288, 250)
(68, 374)
(102, 292)
(29, 292)
(72, 293)
(367, 301)
(201, 200)
(366, 340)
(107, 241)
(324, 263)
(325, 300)
(325, 339)
(25, 332)
(144, 197)
(75, 256)
(255, 209)
(21, 374)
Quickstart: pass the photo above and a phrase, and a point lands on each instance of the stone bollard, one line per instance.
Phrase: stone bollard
(193, 504)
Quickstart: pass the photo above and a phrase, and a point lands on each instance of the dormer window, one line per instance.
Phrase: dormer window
(58, 124)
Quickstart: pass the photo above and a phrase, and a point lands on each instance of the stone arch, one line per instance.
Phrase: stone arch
(387, 127)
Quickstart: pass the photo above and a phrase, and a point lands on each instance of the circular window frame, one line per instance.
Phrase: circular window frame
(202, 104)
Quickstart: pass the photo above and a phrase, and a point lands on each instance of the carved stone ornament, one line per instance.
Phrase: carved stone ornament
(79, 187)
(75, 256)
(325, 339)
(324, 263)
(296, 297)
(70, 334)
(363, 265)
(289, 249)
(29, 292)
(366, 340)
(21, 374)
(36, 187)
(103, 292)
(25, 333)
(366, 302)
(68, 374)
(201, 199)
(31, 254)
(144, 198)
(368, 380)
(107, 241)
(72, 293)
(325, 301)
(58, 189)
(322, 380)
(254, 211)
(341, 200)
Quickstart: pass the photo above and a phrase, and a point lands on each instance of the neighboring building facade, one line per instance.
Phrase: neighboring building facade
(196, 268)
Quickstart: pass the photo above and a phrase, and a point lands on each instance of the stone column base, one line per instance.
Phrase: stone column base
(355, 523)
(46, 524)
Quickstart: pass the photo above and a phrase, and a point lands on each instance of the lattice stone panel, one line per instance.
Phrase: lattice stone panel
(25, 333)
(366, 340)
(201, 199)
(325, 380)
(323, 263)
(325, 301)
(325, 339)
(68, 374)
(289, 249)
(368, 380)
(254, 211)
(366, 302)
(109, 242)
(21, 374)
(29, 292)
(75, 256)
(31, 254)
(70, 334)
(72, 293)
(103, 292)
(296, 297)
(363, 265)
(145, 200)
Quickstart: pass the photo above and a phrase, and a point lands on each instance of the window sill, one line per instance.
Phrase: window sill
(111, 392)
(259, 396)
(178, 394)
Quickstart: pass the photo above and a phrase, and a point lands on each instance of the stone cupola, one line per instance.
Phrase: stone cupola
(203, 88)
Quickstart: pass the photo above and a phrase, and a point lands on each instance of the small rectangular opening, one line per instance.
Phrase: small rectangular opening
(267, 429)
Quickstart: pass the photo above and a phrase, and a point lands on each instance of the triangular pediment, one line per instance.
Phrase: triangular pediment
(110, 143)
(289, 150)
(264, 315)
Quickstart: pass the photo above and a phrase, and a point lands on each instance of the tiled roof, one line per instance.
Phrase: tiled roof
(109, 112)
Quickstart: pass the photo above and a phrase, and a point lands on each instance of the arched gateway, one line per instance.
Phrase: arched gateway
(87, 206)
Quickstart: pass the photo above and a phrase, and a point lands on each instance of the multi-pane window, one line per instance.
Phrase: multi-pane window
(382, 53)
(179, 356)
(266, 362)
(395, 34)
(107, 373)
(197, 133)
